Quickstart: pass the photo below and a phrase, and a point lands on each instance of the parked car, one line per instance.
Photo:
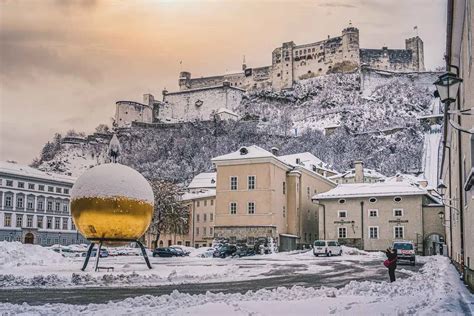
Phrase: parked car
(225, 251)
(104, 253)
(327, 248)
(168, 252)
(243, 251)
(405, 251)
(181, 250)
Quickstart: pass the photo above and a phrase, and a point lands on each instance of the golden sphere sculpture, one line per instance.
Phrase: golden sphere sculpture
(112, 202)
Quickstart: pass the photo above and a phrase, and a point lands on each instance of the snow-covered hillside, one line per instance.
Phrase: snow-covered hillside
(378, 126)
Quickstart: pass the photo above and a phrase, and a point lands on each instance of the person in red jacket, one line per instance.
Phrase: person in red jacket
(391, 262)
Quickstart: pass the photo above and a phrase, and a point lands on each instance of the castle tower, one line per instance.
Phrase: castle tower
(244, 65)
(350, 43)
(415, 44)
(287, 65)
(184, 80)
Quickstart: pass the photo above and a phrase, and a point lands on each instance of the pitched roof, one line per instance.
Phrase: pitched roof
(371, 189)
(249, 152)
(203, 180)
(199, 195)
(367, 173)
(306, 160)
(26, 171)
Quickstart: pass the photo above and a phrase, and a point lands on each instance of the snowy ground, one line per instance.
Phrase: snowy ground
(433, 289)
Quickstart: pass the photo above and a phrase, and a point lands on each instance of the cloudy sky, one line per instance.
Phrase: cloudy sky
(64, 63)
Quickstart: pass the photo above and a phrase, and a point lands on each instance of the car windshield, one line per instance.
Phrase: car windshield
(332, 243)
(403, 246)
(320, 243)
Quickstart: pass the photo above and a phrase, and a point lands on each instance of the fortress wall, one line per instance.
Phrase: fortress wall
(128, 111)
(198, 104)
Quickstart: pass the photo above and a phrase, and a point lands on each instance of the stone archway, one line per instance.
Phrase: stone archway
(29, 238)
(434, 244)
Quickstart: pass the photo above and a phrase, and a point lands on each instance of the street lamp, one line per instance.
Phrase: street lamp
(447, 86)
(441, 215)
(442, 189)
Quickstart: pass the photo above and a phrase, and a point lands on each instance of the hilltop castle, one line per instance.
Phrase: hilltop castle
(292, 63)
(203, 98)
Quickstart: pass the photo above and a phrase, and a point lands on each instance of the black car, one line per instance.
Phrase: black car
(103, 253)
(225, 251)
(167, 252)
(243, 251)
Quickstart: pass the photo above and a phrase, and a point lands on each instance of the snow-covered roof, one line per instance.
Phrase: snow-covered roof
(371, 189)
(224, 110)
(248, 152)
(369, 173)
(306, 160)
(199, 195)
(203, 180)
(26, 171)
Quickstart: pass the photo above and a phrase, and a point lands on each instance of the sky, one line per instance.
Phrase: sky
(64, 63)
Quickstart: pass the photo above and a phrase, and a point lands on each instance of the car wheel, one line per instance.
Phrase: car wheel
(328, 254)
(340, 253)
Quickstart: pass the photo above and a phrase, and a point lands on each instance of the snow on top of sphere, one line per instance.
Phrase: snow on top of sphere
(112, 180)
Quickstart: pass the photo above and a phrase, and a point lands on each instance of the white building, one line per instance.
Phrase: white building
(35, 206)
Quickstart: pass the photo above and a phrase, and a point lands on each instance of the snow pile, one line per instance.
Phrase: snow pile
(18, 254)
(112, 180)
(436, 290)
(354, 251)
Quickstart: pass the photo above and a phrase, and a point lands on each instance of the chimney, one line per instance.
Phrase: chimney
(275, 151)
(359, 171)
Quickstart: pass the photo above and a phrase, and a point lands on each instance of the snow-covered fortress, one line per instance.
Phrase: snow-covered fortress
(207, 97)
(292, 63)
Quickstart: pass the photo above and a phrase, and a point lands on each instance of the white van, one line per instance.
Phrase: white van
(405, 251)
(327, 248)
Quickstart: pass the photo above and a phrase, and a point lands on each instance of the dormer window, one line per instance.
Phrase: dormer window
(243, 151)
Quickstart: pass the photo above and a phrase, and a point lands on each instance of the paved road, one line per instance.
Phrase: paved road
(341, 275)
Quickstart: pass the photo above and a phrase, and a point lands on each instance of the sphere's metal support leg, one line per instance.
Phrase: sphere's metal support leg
(88, 255)
(144, 254)
(97, 257)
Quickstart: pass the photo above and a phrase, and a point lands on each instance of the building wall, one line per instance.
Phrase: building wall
(44, 214)
(358, 230)
(127, 112)
(198, 104)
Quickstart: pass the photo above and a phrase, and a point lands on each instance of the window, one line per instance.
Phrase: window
(233, 208)
(41, 187)
(57, 222)
(373, 213)
(284, 211)
(342, 201)
(342, 232)
(8, 201)
(73, 227)
(197, 218)
(29, 204)
(9, 183)
(21, 184)
(50, 189)
(57, 207)
(58, 190)
(251, 182)
(66, 191)
(212, 202)
(308, 192)
(342, 214)
(198, 203)
(211, 231)
(233, 183)
(197, 230)
(19, 221)
(204, 217)
(211, 217)
(65, 208)
(39, 222)
(64, 223)
(204, 231)
(29, 221)
(40, 205)
(7, 220)
(19, 202)
(398, 212)
(284, 187)
(205, 202)
(398, 232)
(372, 200)
(373, 232)
(251, 208)
(397, 199)
(31, 186)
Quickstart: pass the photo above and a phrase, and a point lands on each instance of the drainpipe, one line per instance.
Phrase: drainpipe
(193, 210)
(324, 220)
(362, 223)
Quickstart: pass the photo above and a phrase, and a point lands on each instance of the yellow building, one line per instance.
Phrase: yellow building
(262, 195)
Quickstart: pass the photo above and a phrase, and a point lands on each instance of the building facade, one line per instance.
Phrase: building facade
(456, 170)
(371, 216)
(35, 207)
(358, 174)
(261, 195)
(292, 63)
